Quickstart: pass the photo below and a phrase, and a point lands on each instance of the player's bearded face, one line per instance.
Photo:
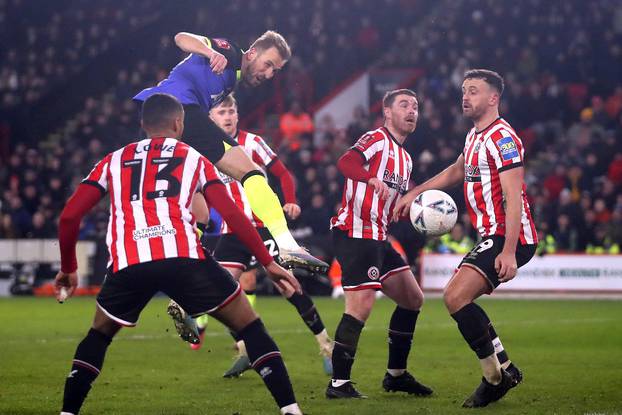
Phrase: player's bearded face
(263, 65)
(404, 113)
(226, 118)
(476, 95)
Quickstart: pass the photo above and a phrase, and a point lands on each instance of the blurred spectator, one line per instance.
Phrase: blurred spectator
(615, 170)
(294, 124)
(566, 236)
(455, 242)
(41, 228)
(602, 243)
(556, 182)
(317, 215)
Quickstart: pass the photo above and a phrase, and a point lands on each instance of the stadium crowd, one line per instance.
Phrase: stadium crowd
(566, 106)
(42, 50)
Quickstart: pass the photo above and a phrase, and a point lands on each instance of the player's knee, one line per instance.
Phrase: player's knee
(106, 327)
(251, 173)
(415, 301)
(361, 306)
(104, 324)
(454, 299)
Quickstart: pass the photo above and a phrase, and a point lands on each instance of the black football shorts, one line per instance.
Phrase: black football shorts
(482, 257)
(202, 134)
(230, 252)
(365, 263)
(199, 286)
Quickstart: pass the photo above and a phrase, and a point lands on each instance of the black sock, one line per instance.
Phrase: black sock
(308, 312)
(401, 330)
(235, 336)
(502, 355)
(346, 342)
(266, 359)
(474, 329)
(87, 363)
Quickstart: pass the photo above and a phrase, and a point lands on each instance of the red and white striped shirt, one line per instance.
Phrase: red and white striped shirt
(486, 154)
(263, 156)
(151, 184)
(363, 214)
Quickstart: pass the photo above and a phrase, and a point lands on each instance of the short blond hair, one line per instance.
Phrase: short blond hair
(273, 39)
(228, 101)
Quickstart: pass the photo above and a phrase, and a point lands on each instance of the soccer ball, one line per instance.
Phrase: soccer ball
(433, 213)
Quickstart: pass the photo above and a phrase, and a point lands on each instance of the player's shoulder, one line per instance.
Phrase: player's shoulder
(222, 43)
(129, 148)
(371, 137)
(253, 140)
(190, 151)
(248, 136)
(228, 48)
(471, 132)
(500, 128)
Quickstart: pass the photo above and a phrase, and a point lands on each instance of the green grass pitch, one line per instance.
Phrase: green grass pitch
(570, 352)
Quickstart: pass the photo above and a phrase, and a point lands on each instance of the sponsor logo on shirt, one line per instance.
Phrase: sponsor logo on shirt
(508, 148)
(395, 181)
(472, 173)
(156, 231)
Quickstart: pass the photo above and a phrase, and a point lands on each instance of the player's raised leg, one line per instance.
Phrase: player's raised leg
(266, 205)
(401, 286)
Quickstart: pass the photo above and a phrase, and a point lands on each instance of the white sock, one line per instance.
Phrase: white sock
(491, 369)
(286, 241)
(338, 382)
(66, 413)
(496, 342)
(242, 348)
(396, 372)
(291, 409)
(322, 337)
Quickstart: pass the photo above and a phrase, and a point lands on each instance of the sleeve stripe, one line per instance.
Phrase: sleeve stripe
(510, 166)
(271, 162)
(211, 182)
(96, 184)
(359, 151)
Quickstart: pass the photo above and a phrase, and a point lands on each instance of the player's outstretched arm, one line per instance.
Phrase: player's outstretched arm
(351, 166)
(451, 176)
(79, 204)
(191, 43)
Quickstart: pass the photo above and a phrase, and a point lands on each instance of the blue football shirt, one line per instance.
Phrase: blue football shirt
(192, 80)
